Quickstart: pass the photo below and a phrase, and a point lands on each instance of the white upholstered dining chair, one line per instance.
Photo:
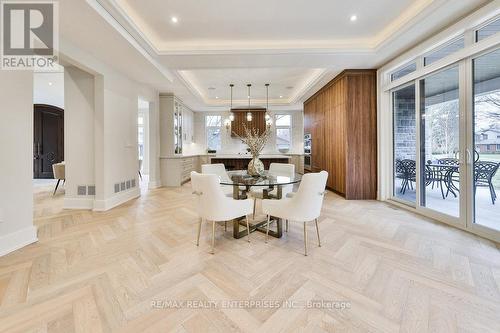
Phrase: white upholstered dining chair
(277, 169)
(305, 205)
(220, 170)
(213, 205)
(59, 170)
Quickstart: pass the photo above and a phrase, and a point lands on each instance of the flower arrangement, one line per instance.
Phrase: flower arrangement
(255, 142)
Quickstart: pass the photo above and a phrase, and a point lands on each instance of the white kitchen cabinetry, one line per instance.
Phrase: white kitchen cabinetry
(298, 161)
(176, 126)
(177, 170)
(176, 138)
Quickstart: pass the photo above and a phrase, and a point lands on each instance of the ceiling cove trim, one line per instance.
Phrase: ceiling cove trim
(110, 19)
(310, 81)
(369, 45)
(308, 84)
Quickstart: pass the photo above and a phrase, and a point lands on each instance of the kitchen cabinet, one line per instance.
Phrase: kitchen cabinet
(342, 120)
(178, 169)
(176, 126)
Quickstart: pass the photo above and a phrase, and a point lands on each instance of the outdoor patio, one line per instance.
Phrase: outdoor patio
(487, 214)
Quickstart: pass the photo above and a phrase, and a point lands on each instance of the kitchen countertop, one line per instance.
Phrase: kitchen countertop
(232, 156)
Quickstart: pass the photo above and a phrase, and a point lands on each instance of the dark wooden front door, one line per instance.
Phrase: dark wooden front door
(48, 139)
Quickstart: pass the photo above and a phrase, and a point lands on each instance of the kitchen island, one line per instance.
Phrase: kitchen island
(240, 162)
(176, 169)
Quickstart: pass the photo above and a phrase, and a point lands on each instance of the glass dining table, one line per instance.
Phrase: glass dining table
(242, 182)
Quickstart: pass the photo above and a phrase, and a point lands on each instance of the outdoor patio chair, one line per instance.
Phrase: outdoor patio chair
(483, 176)
(406, 171)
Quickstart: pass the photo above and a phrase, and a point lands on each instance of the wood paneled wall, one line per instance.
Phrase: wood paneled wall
(242, 163)
(240, 119)
(342, 120)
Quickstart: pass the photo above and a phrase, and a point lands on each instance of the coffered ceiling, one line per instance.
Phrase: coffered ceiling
(295, 45)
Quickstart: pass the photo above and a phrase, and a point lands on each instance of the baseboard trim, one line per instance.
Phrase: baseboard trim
(78, 203)
(116, 200)
(18, 239)
(153, 184)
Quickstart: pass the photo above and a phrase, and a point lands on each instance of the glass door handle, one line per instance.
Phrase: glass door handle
(469, 159)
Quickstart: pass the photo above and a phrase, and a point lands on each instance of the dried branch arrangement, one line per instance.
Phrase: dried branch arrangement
(254, 140)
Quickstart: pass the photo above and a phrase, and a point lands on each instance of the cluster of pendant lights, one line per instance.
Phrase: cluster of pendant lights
(249, 114)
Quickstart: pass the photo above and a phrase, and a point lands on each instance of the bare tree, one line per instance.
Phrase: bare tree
(491, 99)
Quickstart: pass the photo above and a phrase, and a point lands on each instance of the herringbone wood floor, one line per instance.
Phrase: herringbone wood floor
(100, 272)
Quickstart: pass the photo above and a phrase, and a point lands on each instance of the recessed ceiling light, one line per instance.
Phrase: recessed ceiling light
(353, 18)
(50, 83)
(216, 97)
(174, 19)
(281, 96)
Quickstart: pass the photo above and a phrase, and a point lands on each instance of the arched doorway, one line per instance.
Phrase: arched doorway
(48, 139)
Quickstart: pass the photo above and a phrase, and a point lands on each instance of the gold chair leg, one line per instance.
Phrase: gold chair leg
(305, 239)
(199, 232)
(213, 237)
(267, 227)
(254, 205)
(248, 228)
(317, 231)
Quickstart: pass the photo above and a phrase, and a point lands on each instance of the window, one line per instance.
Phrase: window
(403, 71)
(213, 126)
(283, 131)
(488, 30)
(444, 51)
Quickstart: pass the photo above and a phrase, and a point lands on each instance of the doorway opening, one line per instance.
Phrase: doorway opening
(143, 142)
(48, 139)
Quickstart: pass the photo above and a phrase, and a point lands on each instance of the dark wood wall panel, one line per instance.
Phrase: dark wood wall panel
(361, 176)
(342, 119)
(242, 163)
(240, 119)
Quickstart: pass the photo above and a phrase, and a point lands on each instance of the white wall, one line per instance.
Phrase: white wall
(48, 88)
(115, 128)
(232, 145)
(78, 136)
(16, 160)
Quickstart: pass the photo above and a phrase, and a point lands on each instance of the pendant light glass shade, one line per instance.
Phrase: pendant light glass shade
(249, 114)
(231, 114)
(268, 116)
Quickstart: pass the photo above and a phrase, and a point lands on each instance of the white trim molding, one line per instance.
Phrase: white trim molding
(18, 239)
(116, 200)
(78, 203)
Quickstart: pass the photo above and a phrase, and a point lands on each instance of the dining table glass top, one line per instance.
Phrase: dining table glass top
(242, 178)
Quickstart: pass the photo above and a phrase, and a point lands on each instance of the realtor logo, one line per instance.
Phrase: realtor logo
(29, 35)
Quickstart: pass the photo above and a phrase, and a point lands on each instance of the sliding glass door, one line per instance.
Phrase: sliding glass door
(485, 155)
(446, 144)
(439, 143)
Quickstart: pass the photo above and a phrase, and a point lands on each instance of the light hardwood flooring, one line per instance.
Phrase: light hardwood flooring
(101, 272)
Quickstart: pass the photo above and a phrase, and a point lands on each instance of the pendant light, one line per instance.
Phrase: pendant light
(249, 114)
(231, 114)
(268, 116)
